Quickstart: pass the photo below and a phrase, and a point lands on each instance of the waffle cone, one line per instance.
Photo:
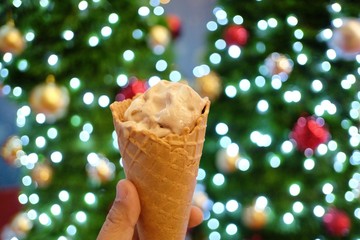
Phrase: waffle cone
(163, 171)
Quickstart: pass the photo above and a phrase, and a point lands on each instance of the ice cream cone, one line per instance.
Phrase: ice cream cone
(164, 172)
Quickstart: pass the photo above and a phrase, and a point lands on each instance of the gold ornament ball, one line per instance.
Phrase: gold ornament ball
(254, 218)
(11, 39)
(278, 63)
(209, 86)
(50, 99)
(349, 36)
(159, 35)
(21, 224)
(11, 150)
(224, 162)
(104, 171)
(101, 170)
(42, 174)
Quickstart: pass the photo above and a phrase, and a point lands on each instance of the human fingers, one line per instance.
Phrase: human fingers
(123, 215)
(136, 235)
(196, 217)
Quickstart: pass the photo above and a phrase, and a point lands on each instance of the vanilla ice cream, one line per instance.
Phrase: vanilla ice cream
(167, 107)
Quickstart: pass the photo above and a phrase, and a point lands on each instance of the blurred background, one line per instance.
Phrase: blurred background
(281, 156)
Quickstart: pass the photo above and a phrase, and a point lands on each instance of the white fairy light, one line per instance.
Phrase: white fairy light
(299, 34)
(336, 7)
(302, 59)
(83, 5)
(44, 219)
(288, 218)
(158, 10)
(213, 224)
(292, 21)
(262, 25)
(298, 207)
(30, 36)
(218, 179)
(81, 217)
(272, 22)
(93, 41)
(56, 157)
(221, 128)
(261, 203)
(234, 51)
(88, 98)
(68, 35)
(319, 211)
(212, 26)
(262, 106)
(327, 188)
(53, 59)
(40, 142)
(260, 81)
(55, 209)
(238, 19)
(64, 196)
(34, 198)
(214, 236)
(71, 230)
(75, 83)
(144, 11)
(230, 91)
(309, 164)
(294, 189)
(106, 31)
(218, 208)
(298, 47)
(90, 198)
(137, 34)
(232, 205)
(231, 229)
(104, 101)
(26, 181)
(244, 85)
(128, 55)
(113, 18)
(175, 76)
(243, 164)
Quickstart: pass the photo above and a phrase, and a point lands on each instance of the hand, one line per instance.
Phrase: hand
(120, 223)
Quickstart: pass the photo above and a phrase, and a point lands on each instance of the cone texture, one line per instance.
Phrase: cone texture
(164, 172)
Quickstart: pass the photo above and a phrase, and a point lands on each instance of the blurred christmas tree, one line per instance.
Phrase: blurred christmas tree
(64, 63)
(281, 154)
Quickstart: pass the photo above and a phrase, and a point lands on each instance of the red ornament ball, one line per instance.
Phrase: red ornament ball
(134, 87)
(337, 222)
(236, 35)
(309, 132)
(174, 25)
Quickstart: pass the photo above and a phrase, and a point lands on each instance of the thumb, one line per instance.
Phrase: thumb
(123, 215)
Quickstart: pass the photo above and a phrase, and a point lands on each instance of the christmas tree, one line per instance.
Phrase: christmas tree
(281, 153)
(63, 63)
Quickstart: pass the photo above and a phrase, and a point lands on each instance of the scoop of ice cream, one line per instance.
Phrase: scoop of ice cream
(165, 108)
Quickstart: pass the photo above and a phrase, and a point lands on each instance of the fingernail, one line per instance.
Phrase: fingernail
(121, 192)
